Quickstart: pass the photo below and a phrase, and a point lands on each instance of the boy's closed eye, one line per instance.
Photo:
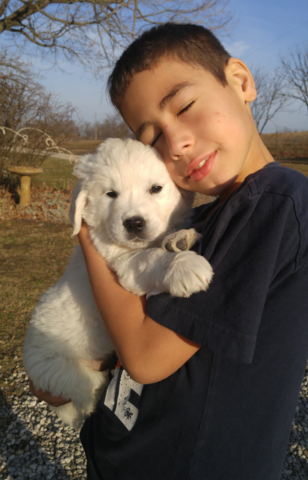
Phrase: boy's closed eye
(185, 109)
(155, 139)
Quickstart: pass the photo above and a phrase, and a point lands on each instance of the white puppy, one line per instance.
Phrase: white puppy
(130, 203)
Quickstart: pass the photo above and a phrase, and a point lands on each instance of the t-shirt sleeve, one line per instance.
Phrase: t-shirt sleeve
(253, 246)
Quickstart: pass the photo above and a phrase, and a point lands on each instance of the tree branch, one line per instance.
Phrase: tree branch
(91, 30)
(295, 73)
(3, 6)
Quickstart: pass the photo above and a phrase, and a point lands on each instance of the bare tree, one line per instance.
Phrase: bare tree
(11, 64)
(37, 116)
(295, 72)
(112, 127)
(86, 129)
(270, 97)
(25, 103)
(94, 30)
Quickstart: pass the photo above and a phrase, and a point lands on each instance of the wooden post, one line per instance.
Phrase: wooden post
(25, 174)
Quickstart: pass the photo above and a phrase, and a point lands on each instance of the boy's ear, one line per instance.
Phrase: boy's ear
(238, 74)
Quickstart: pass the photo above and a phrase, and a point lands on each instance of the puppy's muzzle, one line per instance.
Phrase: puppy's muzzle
(134, 224)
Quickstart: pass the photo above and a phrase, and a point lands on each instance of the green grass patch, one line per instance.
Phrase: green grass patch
(56, 173)
(33, 257)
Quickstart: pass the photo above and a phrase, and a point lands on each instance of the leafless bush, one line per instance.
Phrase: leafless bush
(33, 121)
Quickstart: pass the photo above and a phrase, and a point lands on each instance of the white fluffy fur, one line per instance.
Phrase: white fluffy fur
(66, 329)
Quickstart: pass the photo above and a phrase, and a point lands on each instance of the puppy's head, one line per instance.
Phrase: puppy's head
(126, 195)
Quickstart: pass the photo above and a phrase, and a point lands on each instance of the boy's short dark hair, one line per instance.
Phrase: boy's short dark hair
(191, 43)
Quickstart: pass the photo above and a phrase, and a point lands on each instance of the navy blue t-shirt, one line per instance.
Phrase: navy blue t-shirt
(226, 414)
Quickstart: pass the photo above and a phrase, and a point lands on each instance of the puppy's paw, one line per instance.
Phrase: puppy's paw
(189, 273)
(181, 240)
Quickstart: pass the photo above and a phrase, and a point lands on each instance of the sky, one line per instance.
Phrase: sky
(263, 30)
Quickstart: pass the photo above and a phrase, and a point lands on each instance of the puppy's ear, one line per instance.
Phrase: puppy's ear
(79, 200)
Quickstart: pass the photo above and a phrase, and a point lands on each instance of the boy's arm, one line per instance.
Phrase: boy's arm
(148, 351)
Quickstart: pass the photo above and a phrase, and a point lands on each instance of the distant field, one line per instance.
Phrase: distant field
(81, 147)
(59, 174)
(281, 145)
(287, 145)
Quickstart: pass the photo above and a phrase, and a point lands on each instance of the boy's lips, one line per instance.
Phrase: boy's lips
(201, 166)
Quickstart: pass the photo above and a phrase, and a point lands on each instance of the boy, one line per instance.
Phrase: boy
(213, 380)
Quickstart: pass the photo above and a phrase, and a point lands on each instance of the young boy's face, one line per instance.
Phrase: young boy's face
(204, 131)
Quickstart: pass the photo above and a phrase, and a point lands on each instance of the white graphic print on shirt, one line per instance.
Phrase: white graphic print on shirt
(122, 397)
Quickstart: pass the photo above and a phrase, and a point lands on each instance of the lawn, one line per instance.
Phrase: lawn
(56, 173)
(33, 256)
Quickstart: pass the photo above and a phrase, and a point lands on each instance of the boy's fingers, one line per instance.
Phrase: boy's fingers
(54, 401)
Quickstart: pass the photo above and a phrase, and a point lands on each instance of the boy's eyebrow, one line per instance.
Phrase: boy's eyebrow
(173, 92)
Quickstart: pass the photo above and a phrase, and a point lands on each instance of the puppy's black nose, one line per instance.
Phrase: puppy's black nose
(134, 224)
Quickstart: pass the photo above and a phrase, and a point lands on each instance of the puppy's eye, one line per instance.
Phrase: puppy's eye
(112, 194)
(156, 189)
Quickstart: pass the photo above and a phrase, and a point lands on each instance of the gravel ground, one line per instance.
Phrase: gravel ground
(36, 445)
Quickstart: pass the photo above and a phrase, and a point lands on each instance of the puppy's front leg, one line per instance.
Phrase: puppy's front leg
(185, 273)
(181, 273)
(181, 240)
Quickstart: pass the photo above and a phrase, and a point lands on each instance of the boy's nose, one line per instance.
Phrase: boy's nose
(179, 142)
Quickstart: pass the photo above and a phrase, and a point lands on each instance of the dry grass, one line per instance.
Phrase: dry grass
(81, 147)
(56, 173)
(33, 257)
(287, 145)
(295, 165)
(299, 166)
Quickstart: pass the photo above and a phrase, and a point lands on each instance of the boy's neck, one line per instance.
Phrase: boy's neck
(259, 156)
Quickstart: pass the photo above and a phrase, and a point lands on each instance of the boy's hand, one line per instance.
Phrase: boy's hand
(47, 396)
(181, 240)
